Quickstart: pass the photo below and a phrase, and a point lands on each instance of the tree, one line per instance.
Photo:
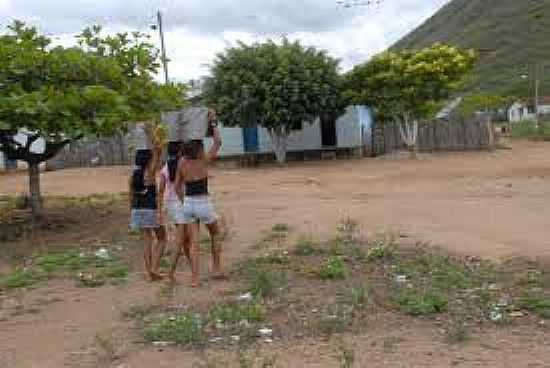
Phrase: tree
(279, 86)
(59, 95)
(407, 86)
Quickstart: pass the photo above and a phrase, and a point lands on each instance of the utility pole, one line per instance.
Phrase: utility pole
(163, 48)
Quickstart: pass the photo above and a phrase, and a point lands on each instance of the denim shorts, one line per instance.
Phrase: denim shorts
(174, 213)
(199, 209)
(143, 218)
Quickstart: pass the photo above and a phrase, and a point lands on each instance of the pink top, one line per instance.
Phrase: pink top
(170, 189)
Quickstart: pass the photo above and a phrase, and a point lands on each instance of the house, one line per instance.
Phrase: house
(522, 110)
(351, 132)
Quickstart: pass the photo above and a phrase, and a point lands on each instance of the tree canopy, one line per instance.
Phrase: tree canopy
(61, 94)
(279, 86)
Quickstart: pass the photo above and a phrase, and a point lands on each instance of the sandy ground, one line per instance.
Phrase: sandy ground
(487, 204)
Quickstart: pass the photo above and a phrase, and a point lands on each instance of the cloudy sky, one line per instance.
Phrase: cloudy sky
(197, 29)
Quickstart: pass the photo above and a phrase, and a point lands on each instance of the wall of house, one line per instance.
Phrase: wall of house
(232, 141)
(2, 162)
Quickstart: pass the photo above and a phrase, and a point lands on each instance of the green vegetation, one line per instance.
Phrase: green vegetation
(380, 249)
(537, 302)
(182, 329)
(333, 268)
(280, 228)
(90, 269)
(265, 283)
(19, 279)
(306, 247)
(528, 129)
(419, 302)
(234, 312)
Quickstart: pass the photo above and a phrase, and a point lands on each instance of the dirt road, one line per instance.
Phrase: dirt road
(488, 204)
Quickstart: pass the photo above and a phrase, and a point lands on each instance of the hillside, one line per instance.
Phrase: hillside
(513, 35)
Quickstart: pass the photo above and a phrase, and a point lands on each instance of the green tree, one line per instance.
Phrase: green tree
(58, 95)
(408, 86)
(278, 86)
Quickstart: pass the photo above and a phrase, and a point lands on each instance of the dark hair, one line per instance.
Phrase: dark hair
(193, 149)
(173, 157)
(143, 157)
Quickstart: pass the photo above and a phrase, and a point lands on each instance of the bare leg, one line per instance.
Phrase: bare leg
(147, 235)
(186, 241)
(159, 249)
(195, 254)
(216, 249)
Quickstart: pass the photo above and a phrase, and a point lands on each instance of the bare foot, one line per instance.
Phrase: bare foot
(195, 283)
(155, 276)
(219, 276)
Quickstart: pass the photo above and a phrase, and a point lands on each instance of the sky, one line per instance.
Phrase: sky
(196, 30)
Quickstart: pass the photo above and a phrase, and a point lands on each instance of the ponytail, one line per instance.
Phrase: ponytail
(173, 156)
(143, 157)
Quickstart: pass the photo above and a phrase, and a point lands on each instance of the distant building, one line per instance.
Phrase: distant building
(522, 110)
(350, 131)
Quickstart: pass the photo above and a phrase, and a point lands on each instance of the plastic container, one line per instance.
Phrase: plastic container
(187, 124)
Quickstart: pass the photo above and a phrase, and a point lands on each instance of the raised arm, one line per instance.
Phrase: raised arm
(213, 152)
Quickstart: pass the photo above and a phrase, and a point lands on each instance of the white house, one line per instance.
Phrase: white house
(351, 130)
(525, 109)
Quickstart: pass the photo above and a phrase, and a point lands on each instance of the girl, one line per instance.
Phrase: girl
(143, 204)
(197, 208)
(171, 206)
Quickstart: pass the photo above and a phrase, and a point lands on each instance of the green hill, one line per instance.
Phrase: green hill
(513, 36)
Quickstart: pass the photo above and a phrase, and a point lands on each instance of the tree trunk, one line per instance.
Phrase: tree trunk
(279, 140)
(34, 189)
(409, 133)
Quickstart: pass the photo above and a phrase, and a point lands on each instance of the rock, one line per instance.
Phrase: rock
(216, 339)
(496, 315)
(236, 338)
(162, 344)
(245, 297)
(401, 279)
(517, 314)
(265, 331)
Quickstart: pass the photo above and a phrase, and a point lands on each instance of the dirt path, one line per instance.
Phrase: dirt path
(489, 204)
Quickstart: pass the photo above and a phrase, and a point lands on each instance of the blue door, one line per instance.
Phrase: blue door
(250, 139)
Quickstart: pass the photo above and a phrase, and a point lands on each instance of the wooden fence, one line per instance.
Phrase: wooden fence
(100, 152)
(435, 136)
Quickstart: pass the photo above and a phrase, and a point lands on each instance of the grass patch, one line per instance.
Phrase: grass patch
(528, 129)
(264, 283)
(337, 320)
(333, 268)
(20, 279)
(306, 247)
(89, 269)
(418, 302)
(234, 313)
(182, 329)
(537, 302)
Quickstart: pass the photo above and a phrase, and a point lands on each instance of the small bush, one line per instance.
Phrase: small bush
(264, 284)
(182, 329)
(280, 228)
(333, 268)
(416, 302)
(359, 297)
(380, 250)
(306, 247)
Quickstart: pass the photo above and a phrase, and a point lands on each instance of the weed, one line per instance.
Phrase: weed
(380, 250)
(537, 302)
(19, 279)
(182, 329)
(337, 321)
(390, 344)
(306, 247)
(280, 228)
(359, 297)
(457, 331)
(233, 313)
(263, 284)
(333, 268)
(347, 357)
(348, 229)
(108, 347)
(419, 302)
